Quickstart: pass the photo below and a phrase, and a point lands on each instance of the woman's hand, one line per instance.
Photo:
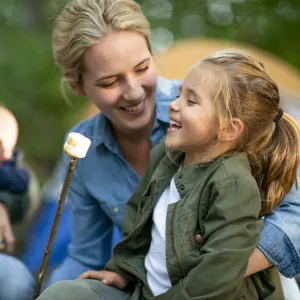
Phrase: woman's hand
(107, 278)
(7, 239)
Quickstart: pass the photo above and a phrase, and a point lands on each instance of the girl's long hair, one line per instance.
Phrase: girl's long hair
(247, 92)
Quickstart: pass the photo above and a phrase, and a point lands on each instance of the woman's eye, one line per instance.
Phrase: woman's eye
(177, 96)
(108, 85)
(142, 70)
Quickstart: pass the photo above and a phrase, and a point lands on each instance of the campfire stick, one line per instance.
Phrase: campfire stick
(76, 147)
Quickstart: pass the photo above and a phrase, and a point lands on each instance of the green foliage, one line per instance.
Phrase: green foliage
(30, 81)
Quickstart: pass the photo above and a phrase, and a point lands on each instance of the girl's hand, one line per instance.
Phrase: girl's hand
(107, 278)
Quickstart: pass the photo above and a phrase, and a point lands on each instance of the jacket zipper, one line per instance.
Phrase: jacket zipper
(175, 250)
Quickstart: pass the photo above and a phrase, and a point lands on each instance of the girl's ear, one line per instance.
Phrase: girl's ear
(232, 132)
(76, 87)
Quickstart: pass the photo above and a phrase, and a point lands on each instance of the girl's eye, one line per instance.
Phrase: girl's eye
(177, 96)
(142, 70)
(190, 102)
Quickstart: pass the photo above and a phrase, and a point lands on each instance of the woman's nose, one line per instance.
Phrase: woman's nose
(133, 90)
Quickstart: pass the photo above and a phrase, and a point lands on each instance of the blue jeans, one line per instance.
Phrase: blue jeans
(16, 282)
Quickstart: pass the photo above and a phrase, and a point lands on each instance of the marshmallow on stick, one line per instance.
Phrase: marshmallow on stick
(77, 145)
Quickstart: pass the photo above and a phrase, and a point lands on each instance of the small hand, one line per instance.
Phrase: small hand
(7, 238)
(107, 278)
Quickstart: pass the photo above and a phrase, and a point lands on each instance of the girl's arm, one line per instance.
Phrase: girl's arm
(257, 262)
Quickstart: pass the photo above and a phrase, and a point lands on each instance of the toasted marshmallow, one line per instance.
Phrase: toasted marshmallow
(77, 145)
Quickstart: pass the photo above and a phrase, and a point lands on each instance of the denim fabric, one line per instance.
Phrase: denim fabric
(16, 282)
(280, 240)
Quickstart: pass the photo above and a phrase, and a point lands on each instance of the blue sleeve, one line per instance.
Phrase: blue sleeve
(91, 232)
(280, 239)
(13, 179)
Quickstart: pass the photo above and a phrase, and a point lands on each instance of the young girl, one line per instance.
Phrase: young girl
(230, 156)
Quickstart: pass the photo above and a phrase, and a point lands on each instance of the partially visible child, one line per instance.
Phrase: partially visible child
(14, 179)
(230, 156)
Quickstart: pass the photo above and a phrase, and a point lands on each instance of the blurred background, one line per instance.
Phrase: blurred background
(30, 81)
(182, 32)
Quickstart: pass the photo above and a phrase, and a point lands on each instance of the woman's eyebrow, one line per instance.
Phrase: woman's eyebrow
(143, 61)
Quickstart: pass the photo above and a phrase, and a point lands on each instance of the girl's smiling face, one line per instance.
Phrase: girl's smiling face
(194, 124)
(119, 77)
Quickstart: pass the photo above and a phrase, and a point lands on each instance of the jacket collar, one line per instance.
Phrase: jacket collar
(186, 178)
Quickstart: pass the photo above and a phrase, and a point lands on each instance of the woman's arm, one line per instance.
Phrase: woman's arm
(280, 240)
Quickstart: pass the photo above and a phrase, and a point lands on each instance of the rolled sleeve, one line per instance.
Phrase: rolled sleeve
(280, 239)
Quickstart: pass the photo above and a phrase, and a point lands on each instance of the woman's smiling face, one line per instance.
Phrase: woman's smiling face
(119, 77)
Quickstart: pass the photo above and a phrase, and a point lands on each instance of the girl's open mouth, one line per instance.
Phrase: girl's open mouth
(174, 126)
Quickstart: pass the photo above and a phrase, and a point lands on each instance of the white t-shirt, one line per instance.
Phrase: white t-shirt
(155, 261)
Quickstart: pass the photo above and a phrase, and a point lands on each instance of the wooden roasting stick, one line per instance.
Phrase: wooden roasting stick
(76, 146)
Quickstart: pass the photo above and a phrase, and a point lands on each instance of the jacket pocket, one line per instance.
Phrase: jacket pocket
(191, 235)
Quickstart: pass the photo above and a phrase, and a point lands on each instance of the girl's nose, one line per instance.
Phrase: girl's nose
(174, 106)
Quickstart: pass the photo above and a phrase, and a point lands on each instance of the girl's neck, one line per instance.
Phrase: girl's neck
(196, 157)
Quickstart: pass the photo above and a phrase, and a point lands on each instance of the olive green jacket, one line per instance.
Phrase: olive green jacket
(210, 232)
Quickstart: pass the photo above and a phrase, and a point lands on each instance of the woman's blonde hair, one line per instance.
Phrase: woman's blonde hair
(82, 23)
(248, 93)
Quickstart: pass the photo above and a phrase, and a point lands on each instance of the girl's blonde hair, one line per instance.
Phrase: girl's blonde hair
(82, 23)
(248, 93)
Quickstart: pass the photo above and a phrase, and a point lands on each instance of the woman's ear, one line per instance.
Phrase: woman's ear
(232, 132)
(75, 86)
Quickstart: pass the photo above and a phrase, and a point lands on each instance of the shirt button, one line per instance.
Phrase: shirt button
(180, 176)
(182, 187)
(198, 238)
(116, 209)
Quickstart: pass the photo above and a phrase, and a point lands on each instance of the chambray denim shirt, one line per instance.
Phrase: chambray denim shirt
(104, 181)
